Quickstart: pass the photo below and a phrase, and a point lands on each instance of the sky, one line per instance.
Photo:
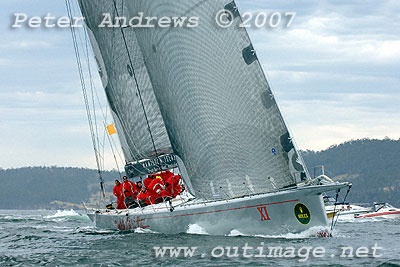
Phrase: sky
(335, 73)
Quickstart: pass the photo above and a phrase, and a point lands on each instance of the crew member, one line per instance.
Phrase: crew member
(148, 180)
(143, 197)
(157, 191)
(139, 186)
(130, 194)
(172, 183)
(117, 191)
(167, 175)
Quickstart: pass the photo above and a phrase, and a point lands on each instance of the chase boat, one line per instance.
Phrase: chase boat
(382, 210)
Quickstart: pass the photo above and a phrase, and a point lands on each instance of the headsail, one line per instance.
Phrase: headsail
(219, 111)
(127, 85)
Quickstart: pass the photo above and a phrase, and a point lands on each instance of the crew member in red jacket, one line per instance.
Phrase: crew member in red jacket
(143, 197)
(148, 180)
(157, 191)
(172, 183)
(167, 176)
(130, 193)
(117, 191)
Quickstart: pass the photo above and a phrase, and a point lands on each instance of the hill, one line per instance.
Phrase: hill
(50, 187)
(371, 165)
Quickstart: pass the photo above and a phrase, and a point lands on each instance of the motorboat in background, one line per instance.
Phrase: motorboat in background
(344, 209)
(382, 210)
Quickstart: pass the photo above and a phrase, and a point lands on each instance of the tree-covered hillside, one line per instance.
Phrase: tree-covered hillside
(37, 187)
(371, 165)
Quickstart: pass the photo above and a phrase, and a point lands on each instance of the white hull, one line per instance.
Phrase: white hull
(264, 214)
(386, 212)
(346, 212)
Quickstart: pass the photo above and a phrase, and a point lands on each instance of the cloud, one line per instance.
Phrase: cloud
(335, 73)
(4, 62)
(25, 45)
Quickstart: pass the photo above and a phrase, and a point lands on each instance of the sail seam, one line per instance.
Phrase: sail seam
(137, 86)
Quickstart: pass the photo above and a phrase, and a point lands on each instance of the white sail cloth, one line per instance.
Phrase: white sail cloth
(208, 85)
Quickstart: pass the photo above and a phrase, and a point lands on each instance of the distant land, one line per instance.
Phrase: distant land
(371, 165)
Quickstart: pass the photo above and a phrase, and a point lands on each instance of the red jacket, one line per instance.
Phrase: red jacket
(157, 189)
(167, 176)
(136, 191)
(129, 189)
(147, 181)
(173, 187)
(117, 191)
(145, 196)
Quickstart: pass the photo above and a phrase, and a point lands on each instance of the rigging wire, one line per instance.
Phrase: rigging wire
(92, 93)
(344, 200)
(92, 118)
(85, 96)
(138, 90)
(99, 156)
(334, 209)
(86, 52)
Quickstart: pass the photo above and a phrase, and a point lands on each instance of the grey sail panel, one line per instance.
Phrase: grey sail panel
(120, 62)
(221, 117)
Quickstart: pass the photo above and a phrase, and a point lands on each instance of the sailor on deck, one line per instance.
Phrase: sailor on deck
(144, 197)
(117, 191)
(130, 192)
(148, 180)
(157, 190)
(172, 183)
(139, 186)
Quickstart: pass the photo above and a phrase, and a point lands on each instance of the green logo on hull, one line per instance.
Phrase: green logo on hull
(302, 213)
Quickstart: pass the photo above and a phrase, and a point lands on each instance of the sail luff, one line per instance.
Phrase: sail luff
(137, 85)
(128, 88)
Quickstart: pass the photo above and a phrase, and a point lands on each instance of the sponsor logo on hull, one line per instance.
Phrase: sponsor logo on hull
(302, 213)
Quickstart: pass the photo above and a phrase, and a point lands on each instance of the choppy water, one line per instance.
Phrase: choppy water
(69, 238)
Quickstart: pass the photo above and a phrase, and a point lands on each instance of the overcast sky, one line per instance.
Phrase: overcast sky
(335, 73)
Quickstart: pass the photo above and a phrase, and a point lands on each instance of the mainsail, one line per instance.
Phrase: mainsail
(219, 111)
(205, 90)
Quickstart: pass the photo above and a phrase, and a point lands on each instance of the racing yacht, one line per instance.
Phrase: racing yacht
(196, 100)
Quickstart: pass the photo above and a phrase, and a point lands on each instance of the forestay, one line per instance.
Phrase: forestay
(127, 84)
